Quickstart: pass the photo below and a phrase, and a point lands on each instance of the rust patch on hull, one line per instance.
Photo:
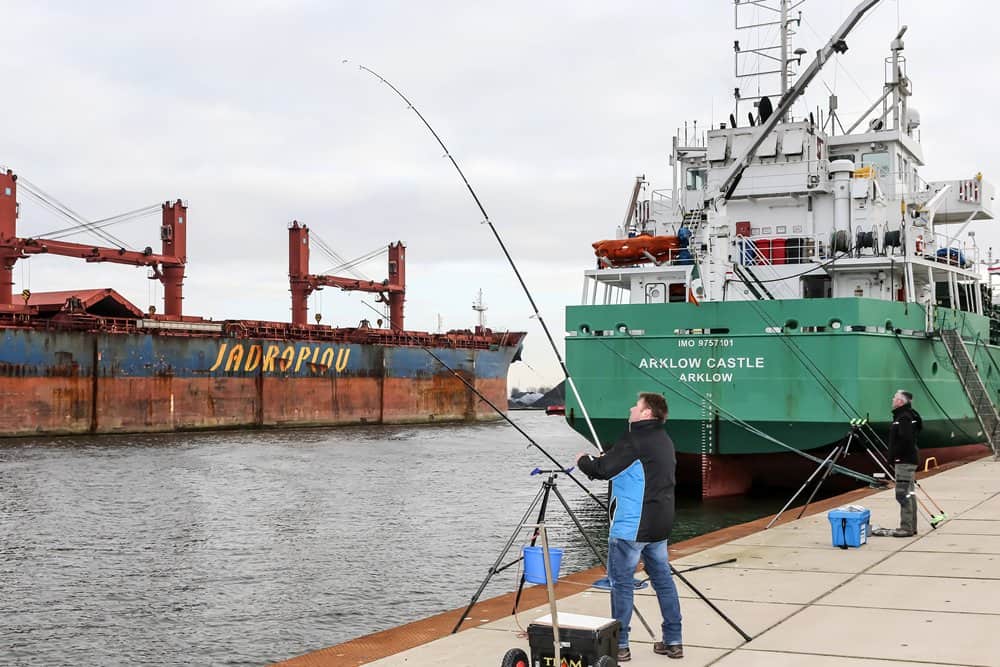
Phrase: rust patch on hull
(78, 405)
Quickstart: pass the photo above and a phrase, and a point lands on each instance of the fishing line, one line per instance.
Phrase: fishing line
(825, 383)
(730, 416)
(503, 247)
(923, 384)
(503, 416)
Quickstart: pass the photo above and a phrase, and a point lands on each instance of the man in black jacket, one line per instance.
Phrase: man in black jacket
(903, 432)
(641, 466)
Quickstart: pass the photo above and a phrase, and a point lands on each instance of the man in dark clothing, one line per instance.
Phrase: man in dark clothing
(903, 432)
(641, 466)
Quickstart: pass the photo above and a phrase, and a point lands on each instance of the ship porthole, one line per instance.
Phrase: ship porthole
(792, 324)
(622, 328)
(835, 324)
(585, 329)
(934, 368)
(888, 325)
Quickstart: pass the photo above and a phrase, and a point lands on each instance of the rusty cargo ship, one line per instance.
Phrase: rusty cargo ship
(89, 361)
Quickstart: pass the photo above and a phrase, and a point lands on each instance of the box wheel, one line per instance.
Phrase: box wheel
(515, 658)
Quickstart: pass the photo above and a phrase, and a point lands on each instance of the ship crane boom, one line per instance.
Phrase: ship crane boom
(91, 253)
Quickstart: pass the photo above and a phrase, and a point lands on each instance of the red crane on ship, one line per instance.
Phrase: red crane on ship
(168, 266)
(392, 290)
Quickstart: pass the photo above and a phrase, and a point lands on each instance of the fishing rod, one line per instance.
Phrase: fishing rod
(552, 344)
(500, 412)
(503, 247)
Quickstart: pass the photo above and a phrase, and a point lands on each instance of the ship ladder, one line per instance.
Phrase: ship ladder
(693, 221)
(973, 385)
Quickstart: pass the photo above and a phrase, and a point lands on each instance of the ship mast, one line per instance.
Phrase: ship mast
(480, 308)
(783, 30)
(835, 45)
(764, 60)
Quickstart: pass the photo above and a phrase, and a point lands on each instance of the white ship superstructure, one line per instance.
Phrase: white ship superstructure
(776, 207)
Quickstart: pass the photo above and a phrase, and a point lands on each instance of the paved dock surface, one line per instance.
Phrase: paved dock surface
(933, 599)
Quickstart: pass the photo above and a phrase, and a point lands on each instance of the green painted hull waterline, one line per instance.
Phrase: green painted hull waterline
(772, 364)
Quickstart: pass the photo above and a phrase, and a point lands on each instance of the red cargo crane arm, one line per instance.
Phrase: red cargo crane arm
(93, 253)
(353, 284)
(168, 266)
(392, 290)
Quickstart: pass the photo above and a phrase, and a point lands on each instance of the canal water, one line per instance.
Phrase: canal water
(248, 547)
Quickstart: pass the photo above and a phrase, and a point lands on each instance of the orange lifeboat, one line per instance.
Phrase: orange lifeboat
(636, 250)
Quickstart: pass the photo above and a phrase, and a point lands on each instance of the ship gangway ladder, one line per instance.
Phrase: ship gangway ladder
(973, 385)
(693, 220)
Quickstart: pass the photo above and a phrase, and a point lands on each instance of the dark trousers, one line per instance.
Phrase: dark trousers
(906, 496)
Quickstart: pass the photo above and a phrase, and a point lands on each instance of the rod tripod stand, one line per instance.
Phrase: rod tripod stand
(542, 502)
(826, 465)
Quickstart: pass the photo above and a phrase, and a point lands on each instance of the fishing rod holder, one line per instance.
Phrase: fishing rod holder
(827, 466)
(552, 473)
(541, 501)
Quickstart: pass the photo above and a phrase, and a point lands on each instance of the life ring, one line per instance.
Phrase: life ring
(920, 245)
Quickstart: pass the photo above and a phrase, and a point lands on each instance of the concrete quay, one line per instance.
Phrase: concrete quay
(933, 599)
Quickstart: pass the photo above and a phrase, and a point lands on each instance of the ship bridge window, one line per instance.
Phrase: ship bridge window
(695, 179)
(902, 166)
(678, 293)
(881, 161)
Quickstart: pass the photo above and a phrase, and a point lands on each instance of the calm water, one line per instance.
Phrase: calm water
(243, 548)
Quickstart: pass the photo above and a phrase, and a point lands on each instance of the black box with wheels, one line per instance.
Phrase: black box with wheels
(585, 641)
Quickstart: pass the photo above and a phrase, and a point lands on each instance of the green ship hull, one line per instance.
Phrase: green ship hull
(796, 370)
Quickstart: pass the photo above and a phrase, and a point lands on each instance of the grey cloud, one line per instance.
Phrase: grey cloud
(246, 111)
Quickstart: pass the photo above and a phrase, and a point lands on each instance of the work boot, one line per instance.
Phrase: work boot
(902, 532)
(669, 650)
(624, 655)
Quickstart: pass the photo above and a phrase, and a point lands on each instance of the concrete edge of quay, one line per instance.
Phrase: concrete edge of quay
(389, 642)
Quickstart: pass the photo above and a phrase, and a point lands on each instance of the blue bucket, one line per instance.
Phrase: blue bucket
(534, 566)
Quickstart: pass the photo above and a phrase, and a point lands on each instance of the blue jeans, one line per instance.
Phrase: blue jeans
(623, 557)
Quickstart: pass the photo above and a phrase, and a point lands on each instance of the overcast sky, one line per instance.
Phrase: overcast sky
(247, 111)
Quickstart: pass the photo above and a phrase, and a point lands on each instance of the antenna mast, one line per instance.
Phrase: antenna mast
(765, 61)
(480, 308)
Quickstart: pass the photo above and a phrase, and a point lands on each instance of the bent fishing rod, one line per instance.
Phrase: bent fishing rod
(503, 247)
(548, 335)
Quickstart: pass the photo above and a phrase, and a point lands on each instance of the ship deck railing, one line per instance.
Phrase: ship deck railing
(83, 322)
